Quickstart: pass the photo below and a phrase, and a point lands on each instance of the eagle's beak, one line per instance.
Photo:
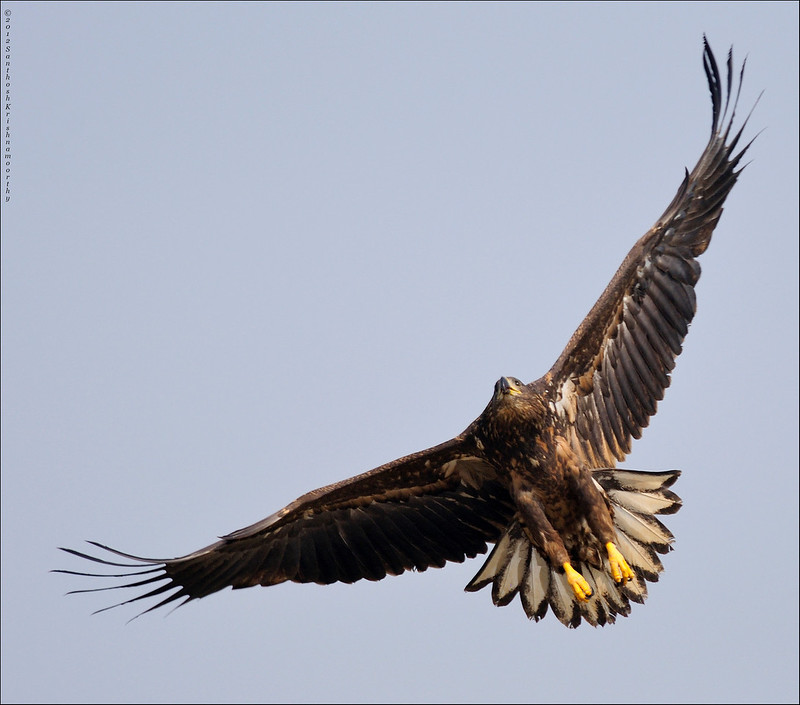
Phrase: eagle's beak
(508, 387)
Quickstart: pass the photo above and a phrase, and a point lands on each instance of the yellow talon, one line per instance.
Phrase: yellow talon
(578, 583)
(620, 570)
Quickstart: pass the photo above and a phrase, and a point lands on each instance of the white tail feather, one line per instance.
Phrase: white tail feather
(562, 600)
(636, 589)
(645, 529)
(536, 586)
(639, 556)
(609, 593)
(515, 569)
(493, 566)
(642, 502)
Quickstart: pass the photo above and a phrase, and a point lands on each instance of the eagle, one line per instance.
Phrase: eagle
(534, 475)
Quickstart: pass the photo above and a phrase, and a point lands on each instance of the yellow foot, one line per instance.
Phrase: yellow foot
(620, 570)
(578, 583)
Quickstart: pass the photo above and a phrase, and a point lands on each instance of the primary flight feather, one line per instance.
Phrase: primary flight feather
(534, 474)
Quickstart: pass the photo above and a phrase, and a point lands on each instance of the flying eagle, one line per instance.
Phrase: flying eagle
(534, 474)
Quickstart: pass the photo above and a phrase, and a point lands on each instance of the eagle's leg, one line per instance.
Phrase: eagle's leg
(578, 583)
(542, 535)
(620, 570)
(598, 515)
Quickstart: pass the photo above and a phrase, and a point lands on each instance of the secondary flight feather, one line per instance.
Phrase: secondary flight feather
(534, 474)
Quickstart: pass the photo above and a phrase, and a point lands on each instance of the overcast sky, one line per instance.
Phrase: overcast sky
(252, 249)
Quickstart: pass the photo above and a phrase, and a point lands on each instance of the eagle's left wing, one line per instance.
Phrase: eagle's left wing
(437, 505)
(605, 385)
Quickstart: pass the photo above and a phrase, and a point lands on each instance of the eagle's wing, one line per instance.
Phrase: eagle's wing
(605, 385)
(437, 505)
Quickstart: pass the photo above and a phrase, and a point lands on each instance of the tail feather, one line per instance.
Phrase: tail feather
(640, 557)
(515, 566)
(608, 592)
(509, 582)
(645, 502)
(562, 601)
(494, 567)
(636, 588)
(593, 611)
(645, 528)
(536, 586)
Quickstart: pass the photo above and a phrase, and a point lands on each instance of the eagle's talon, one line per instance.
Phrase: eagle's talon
(578, 583)
(620, 570)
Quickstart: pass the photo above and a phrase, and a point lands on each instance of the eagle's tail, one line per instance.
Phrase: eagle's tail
(515, 566)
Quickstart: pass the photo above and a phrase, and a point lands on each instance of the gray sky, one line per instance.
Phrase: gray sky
(253, 249)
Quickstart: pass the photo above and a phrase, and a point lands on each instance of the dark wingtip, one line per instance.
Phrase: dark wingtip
(720, 131)
(103, 561)
(152, 569)
(714, 83)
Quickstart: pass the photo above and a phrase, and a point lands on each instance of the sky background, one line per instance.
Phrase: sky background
(252, 249)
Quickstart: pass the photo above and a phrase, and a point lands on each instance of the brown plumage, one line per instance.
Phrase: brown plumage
(533, 474)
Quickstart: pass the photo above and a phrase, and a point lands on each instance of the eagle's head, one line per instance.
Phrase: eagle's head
(508, 387)
(512, 398)
(515, 413)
